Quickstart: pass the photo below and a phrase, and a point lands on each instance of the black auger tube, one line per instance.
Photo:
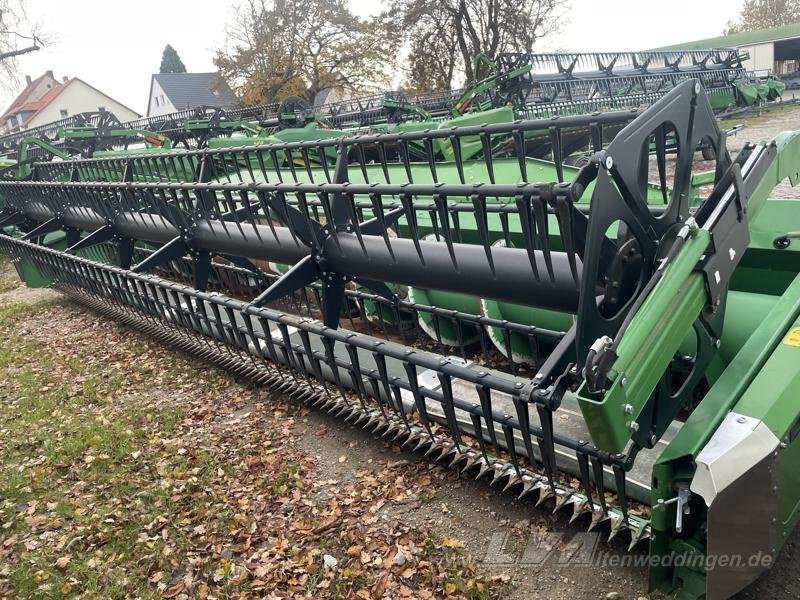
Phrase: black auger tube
(513, 279)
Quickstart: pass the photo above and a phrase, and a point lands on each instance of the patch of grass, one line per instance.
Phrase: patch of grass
(67, 469)
(126, 471)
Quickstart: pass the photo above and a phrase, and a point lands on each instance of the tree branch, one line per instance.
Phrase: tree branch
(13, 53)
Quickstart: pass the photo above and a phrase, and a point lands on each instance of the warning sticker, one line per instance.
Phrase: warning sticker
(793, 339)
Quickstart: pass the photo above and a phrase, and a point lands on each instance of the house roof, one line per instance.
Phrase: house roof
(23, 103)
(24, 98)
(745, 38)
(34, 107)
(188, 90)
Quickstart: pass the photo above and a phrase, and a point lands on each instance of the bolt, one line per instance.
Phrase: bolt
(609, 162)
(517, 385)
(653, 440)
(634, 426)
(784, 445)
(717, 343)
(538, 376)
(628, 409)
(624, 382)
(697, 87)
(741, 420)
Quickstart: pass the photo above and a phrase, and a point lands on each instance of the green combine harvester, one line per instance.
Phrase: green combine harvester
(564, 306)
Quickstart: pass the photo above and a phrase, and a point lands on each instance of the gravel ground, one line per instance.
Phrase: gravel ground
(761, 127)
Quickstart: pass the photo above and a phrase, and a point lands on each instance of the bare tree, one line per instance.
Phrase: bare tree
(445, 36)
(763, 14)
(17, 37)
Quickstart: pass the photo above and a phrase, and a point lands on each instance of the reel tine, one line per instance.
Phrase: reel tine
(620, 480)
(523, 416)
(458, 158)
(380, 362)
(311, 357)
(546, 443)
(411, 219)
(519, 149)
(564, 208)
(543, 230)
(377, 210)
(481, 221)
(583, 468)
(399, 408)
(442, 208)
(485, 397)
(448, 406)
(486, 146)
(429, 155)
(555, 146)
(330, 354)
(599, 483)
(355, 221)
(508, 433)
(476, 426)
(527, 225)
(355, 373)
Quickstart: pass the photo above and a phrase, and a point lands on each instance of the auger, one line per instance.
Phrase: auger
(618, 336)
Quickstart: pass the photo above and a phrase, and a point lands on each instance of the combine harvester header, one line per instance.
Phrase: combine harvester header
(652, 308)
(506, 88)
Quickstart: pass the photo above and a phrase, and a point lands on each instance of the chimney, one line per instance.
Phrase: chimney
(49, 74)
(28, 79)
(65, 79)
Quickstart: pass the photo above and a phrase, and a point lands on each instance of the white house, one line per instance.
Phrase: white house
(170, 92)
(45, 100)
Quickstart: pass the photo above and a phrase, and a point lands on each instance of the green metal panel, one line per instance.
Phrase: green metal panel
(676, 461)
(655, 334)
(772, 397)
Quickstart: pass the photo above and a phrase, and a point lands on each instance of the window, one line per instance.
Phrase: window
(162, 99)
(64, 112)
(156, 99)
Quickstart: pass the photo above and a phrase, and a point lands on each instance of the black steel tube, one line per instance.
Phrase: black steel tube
(512, 280)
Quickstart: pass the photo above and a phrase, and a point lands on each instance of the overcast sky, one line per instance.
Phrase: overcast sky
(116, 46)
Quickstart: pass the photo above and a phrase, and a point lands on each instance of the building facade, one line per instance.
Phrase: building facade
(170, 92)
(45, 100)
(776, 49)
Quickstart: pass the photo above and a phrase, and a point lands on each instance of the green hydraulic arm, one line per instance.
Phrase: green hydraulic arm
(481, 86)
(92, 133)
(24, 160)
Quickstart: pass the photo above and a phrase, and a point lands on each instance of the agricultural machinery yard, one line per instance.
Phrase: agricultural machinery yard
(536, 337)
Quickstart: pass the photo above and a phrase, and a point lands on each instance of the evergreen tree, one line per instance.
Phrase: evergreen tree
(171, 62)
